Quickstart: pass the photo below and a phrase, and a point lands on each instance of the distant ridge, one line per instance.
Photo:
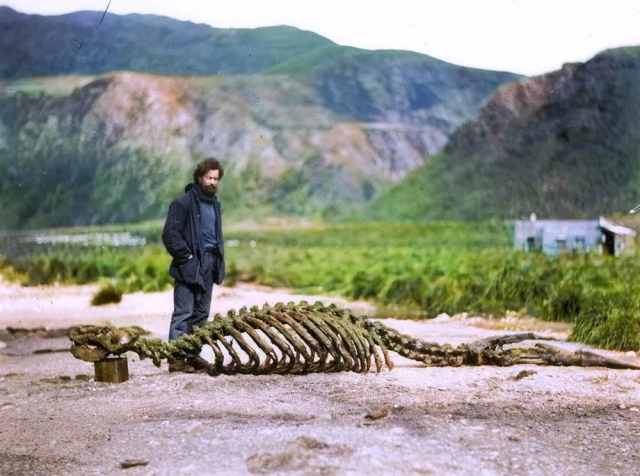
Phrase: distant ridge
(35, 45)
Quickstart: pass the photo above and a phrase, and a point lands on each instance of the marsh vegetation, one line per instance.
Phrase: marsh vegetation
(425, 269)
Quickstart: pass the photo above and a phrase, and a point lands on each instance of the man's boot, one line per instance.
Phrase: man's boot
(181, 365)
(198, 363)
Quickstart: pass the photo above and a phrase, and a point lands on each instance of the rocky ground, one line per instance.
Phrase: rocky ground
(409, 421)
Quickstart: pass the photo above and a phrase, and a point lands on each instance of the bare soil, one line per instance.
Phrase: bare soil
(413, 420)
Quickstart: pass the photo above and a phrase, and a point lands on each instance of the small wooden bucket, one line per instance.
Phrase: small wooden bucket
(113, 369)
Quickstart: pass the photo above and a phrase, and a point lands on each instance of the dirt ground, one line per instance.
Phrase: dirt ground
(413, 420)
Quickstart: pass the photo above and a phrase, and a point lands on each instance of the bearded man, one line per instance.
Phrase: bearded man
(192, 235)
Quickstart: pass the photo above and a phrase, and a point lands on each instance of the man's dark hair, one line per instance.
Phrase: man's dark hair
(205, 166)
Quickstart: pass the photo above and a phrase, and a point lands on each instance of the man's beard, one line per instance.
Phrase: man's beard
(209, 190)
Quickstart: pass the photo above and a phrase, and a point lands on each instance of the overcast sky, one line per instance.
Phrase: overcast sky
(522, 36)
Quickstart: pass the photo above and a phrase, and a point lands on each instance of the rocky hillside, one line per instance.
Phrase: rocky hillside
(562, 145)
(325, 131)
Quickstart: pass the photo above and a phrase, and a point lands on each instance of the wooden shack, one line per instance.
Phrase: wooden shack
(560, 236)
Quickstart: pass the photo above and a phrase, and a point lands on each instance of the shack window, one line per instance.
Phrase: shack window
(534, 243)
(579, 243)
(561, 243)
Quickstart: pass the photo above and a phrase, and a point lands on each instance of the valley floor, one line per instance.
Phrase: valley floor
(409, 421)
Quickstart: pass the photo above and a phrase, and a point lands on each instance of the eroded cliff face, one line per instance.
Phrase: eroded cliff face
(274, 125)
(514, 107)
(272, 122)
(141, 110)
(521, 99)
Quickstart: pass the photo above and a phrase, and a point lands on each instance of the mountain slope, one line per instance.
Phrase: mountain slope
(562, 145)
(325, 131)
(284, 148)
(79, 43)
(367, 84)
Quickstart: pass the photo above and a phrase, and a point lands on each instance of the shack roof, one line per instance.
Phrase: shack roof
(615, 229)
(567, 227)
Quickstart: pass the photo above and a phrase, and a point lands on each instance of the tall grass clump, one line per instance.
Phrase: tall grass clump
(610, 321)
(134, 269)
(522, 281)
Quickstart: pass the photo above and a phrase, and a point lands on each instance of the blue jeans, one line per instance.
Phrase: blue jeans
(192, 304)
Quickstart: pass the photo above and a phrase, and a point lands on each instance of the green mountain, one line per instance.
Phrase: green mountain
(396, 86)
(320, 133)
(561, 145)
(87, 43)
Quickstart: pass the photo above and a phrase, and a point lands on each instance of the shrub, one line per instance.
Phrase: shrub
(109, 293)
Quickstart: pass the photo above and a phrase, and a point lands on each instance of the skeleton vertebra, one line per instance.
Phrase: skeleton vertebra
(303, 338)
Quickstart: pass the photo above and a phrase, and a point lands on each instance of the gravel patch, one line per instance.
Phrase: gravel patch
(521, 420)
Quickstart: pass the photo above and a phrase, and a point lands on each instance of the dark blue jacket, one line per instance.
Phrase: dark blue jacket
(181, 237)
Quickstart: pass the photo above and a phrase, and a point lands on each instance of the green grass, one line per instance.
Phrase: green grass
(49, 85)
(134, 269)
(430, 268)
(610, 320)
(336, 55)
